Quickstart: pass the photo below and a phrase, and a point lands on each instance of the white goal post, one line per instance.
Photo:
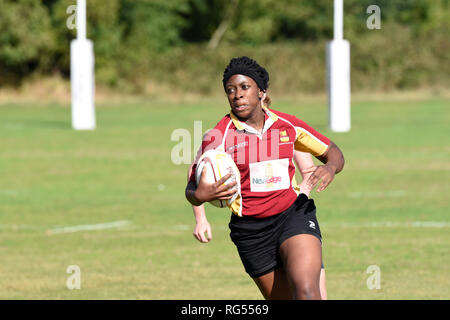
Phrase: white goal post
(338, 74)
(82, 75)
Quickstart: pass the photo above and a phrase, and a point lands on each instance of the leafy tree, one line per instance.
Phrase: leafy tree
(26, 40)
(137, 40)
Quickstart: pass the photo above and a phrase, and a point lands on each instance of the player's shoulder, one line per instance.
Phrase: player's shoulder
(224, 122)
(289, 118)
(219, 129)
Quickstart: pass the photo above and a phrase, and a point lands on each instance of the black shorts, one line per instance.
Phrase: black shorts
(258, 239)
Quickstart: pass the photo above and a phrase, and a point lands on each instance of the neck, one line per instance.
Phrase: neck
(256, 120)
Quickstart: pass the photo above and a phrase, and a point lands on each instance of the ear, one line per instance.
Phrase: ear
(260, 94)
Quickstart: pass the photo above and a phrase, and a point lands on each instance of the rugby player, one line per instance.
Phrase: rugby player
(274, 224)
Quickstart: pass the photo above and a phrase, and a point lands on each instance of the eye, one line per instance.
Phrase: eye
(230, 90)
(245, 86)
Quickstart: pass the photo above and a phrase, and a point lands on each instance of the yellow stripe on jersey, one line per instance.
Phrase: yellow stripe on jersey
(306, 142)
(272, 115)
(236, 122)
(236, 206)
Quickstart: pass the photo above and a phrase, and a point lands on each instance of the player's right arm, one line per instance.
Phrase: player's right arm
(206, 192)
(202, 225)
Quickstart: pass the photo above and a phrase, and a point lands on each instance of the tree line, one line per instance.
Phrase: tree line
(137, 40)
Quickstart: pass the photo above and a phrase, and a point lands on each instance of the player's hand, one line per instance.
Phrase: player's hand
(216, 191)
(325, 173)
(304, 186)
(202, 227)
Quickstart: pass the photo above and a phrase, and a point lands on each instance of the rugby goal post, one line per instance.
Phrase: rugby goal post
(82, 74)
(338, 74)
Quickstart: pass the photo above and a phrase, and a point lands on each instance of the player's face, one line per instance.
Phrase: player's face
(243, 95)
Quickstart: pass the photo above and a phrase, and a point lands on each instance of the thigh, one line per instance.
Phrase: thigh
(274, 285)
(302, 260)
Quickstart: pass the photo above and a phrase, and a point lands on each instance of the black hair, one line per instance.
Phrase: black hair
(248, 67)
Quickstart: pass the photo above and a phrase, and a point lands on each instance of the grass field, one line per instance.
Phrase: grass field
(389, 207)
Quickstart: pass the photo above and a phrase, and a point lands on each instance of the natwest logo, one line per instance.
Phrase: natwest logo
(266, 180)
(269, 175)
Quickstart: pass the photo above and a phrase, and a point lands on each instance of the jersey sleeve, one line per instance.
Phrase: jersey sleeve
(211, 140)
(308, 139)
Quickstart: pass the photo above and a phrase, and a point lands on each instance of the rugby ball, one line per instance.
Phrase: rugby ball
(218, 164)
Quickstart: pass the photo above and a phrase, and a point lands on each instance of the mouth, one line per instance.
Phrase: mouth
(240, 107)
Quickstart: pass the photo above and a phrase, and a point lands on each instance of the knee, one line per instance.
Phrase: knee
(307, 291)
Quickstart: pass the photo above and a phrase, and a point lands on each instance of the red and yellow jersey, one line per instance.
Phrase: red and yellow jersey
(264, 159)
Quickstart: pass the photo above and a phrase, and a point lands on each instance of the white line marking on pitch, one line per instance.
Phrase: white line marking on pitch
(91, 227)
(182, 227)
(378, 194)
(375, 224)
(18, 227)
(390, 224)
(9, 192)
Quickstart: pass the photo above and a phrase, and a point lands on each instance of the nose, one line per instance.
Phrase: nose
(238, 94)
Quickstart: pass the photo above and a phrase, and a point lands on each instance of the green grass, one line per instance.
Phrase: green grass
(396, 173)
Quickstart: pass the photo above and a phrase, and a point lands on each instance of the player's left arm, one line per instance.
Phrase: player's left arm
(333, 160)
(304, 163)
(202, 225)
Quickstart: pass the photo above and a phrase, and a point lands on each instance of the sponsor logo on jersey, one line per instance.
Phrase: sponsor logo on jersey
(239, 145)
(266, 180)
(284, 136)
(269, 175)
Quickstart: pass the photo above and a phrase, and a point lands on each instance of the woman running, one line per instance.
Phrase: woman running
(273, 224)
